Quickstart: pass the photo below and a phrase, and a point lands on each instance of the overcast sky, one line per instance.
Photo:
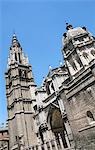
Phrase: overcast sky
(39, 26)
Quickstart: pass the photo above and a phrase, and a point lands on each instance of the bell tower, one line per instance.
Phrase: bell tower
(19, 82)
(78, 49)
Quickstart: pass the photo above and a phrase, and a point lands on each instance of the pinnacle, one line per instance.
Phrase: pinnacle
(68, 26)
(14, 37)
(15, 40)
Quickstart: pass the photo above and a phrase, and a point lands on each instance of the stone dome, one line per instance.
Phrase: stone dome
(71, 33)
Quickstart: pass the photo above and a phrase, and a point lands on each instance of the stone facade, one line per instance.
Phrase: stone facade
(4, 138)
(61, 113)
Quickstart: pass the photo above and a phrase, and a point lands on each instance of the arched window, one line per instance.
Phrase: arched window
(15, 56)
(19, 58)
(85, 55)
(78, 60)
(74, 66)
(47, 88)
(90, 117)
(93, 52)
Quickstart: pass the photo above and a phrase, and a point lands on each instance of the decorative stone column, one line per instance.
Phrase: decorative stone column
(55, 144)
(49, 140)
(67, 140)
(45, 146)
(61, 143)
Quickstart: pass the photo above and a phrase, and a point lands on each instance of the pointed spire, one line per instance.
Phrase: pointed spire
(14, 37)
(15, 41)
(50, 68)
(16, 53)
(14, 34)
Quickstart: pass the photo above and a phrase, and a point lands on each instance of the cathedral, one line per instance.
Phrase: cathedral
(60, 114)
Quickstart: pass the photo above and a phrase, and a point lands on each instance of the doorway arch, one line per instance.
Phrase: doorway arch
(58, 126)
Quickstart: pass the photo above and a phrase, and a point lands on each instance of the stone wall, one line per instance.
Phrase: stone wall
(82, 126)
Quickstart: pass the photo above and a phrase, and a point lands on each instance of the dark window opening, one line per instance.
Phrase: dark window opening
(15, 56)
(19, 58)
(41, 135)
(47, 89)
(85, 55)
(9, 76)
(16, 138)
(52, 86)
(18, 44)
(78, 60)
(20, 72)
(10, 84)
(93, 52)
(74, 66)
(35, 107)
(90, 115)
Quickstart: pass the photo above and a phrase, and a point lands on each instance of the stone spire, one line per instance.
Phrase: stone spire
(16, 54)
(15, 41)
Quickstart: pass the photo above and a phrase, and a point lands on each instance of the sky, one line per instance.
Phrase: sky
(39, 26)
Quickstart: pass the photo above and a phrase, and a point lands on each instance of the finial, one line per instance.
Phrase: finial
(50, 68)
(15, 40)
(84, 28)
(68, 26)
(65, 35)
(14, 35)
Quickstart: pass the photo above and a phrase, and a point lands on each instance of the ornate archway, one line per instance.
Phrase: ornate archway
(57, 125)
